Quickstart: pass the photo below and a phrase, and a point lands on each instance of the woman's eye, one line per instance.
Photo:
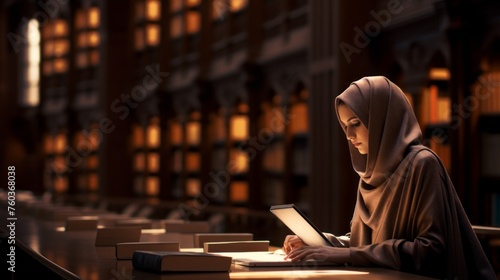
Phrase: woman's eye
(356, 124)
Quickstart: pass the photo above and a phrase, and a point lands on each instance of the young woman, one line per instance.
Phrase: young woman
(407, 216)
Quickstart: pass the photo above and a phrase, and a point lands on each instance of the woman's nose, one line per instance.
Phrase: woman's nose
(349, 134)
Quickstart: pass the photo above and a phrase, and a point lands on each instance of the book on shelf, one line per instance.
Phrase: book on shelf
(125, 250)
(165, 261)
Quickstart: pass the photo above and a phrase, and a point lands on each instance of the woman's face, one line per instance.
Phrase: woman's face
(356, 131)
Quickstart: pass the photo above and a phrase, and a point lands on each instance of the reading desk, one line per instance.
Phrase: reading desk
(73, 255)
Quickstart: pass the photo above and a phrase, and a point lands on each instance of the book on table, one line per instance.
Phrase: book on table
(167, 261)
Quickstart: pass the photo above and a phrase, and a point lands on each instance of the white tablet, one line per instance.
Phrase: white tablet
(301, 226)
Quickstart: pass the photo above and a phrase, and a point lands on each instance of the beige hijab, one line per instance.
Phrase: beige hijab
(384, 109)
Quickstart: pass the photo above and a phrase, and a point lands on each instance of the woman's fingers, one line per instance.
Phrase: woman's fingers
(292, 242)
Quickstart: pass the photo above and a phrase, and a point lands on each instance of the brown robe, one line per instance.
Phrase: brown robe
(407, 215)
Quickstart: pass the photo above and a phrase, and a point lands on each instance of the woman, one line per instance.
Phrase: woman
(407, 216)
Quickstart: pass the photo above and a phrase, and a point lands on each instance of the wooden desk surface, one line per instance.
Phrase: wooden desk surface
(73, 255)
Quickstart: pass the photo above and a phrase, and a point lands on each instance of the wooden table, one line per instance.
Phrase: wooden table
(72, 255)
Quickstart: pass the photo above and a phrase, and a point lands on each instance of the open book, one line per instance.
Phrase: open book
(167, 261)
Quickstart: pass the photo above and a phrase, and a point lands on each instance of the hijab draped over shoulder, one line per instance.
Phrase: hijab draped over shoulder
(407, 214)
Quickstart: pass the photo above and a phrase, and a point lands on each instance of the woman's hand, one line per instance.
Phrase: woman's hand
(292, 242)
(320, 253)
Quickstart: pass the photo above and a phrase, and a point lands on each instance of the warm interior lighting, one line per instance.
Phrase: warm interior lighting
(239, 127)
(191, 3)
(48, 144)
(153, 136)
(153, 162)
(93, 137)
(274, 118)
(94, 57)
(60, 65)
(243, 108)
(239, 191)
(192, 22)
(48, 48)
(32, 72)
(236, 5)
(93, 182)
(192, 162)
(30, 95)
(152, 186)
(92, 162)
(138, 134)
(193, 133)
(176, 133)
(61, 47)
(487, 89)
(410, 98)
(439, 74)
(81, 40)
(300, 121)
(93, 17)
(193, 187)
(239, 160)
(60, 28)
(60, 143)
(153, 10)
(153, 34)
(93, 39)
(60, 184)
(176, 26)
(175, 5)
